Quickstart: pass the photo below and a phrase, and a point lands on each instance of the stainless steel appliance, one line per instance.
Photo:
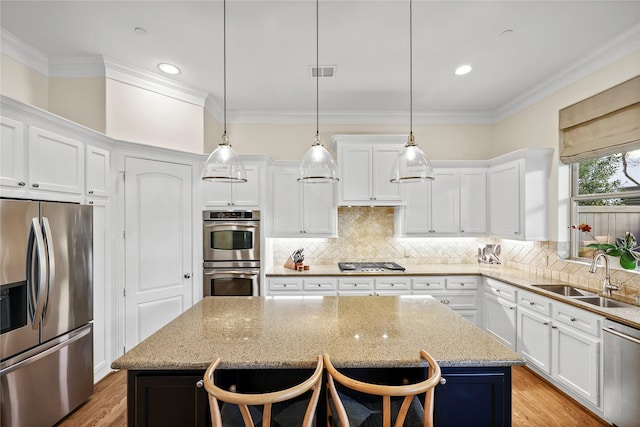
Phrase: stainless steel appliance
(231, 253)
(370, 266)
(46, 298)
(621, 374)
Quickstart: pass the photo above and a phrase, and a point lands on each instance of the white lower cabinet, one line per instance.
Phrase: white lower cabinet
(562, 342)
(356, 286)
(500, 312)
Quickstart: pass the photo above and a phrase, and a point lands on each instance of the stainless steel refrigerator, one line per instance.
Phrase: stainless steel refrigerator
(46, 310)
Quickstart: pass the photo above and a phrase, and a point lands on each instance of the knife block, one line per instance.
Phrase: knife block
(290, 264)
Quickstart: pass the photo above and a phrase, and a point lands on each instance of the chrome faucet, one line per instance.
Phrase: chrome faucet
(607, 286)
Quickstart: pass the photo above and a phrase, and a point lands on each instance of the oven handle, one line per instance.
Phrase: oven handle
(232, 272)
(231, 224)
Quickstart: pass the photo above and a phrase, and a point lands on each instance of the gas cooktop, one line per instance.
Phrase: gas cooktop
(370, 266)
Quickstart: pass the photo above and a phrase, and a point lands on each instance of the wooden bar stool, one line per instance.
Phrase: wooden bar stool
(266, 400)
(338, 401)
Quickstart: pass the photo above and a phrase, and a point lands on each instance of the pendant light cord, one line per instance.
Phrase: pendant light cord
(317, 70)
(224, 61)
(411, 69)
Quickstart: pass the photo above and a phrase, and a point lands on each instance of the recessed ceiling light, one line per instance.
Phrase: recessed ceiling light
(463, 69)
(169, 68)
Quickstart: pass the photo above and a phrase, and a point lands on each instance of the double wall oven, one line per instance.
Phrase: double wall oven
(231, 253)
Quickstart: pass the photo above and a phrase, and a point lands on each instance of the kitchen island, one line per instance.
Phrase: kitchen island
(286, 334)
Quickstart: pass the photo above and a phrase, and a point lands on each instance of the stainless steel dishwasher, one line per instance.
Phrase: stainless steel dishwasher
(621, 374)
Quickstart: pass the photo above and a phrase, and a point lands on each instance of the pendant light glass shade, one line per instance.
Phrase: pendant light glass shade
(412, 165)
(224, 165)
(317, 165)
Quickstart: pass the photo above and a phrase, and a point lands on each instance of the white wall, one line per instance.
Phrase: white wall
(537, 126)
(291, 141)
(139, 115)
(81, 100)
(22, 83)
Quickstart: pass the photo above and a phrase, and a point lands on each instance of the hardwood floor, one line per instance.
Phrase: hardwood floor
(535, 404)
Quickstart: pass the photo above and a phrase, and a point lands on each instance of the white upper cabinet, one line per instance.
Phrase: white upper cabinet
(518, 195)
(454, 203)
(97, 172)
(12, 153)
(56, 163)
(245, 195)
(302, 210)
(364, 167)
(473, 201)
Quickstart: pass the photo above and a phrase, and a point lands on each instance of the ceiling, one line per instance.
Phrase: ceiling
(271, 45)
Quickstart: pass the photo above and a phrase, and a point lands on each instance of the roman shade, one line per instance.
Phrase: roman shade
(606, 123)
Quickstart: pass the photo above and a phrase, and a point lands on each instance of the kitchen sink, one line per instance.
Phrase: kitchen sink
(603, 302)
(567, 291)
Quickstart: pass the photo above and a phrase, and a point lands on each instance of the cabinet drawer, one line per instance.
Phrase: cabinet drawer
(462, 282)
(536, 303)
(577, 318)
(392, 283)
(462, 301)
(320, 284)
(501, 290)
(356, 283)
(428, 283)
(285, 284)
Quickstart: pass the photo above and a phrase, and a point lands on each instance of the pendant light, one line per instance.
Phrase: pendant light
(223, 164)
(317, 164)
(412, 165)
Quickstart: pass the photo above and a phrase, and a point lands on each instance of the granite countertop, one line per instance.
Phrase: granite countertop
(629, 316)
(290, 332)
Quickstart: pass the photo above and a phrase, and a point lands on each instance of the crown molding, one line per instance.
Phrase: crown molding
(153, 82)
(617, 48)
(23, 52)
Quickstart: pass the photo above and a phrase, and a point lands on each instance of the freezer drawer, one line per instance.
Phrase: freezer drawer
(43, 388)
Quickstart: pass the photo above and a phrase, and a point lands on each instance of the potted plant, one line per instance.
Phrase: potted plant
(625, 248)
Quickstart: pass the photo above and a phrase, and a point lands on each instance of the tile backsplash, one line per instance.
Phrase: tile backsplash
(366, 234)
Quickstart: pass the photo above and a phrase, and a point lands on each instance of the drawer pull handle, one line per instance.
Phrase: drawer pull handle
(532, 303)
(22, 184)
(90, 191)
(445, 301)
(573, 319)
(546, 323)
(35, 185)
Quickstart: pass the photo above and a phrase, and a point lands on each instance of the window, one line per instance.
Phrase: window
(606, 196)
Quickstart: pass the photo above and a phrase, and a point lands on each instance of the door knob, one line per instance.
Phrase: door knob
(187, 275)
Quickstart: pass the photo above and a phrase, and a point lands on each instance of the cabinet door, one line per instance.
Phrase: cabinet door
(218, 193)
(12, 153)
(319, 212)
(500, 320)
(445, 202)
(383, 159)
(287, 203)
(357, 168)
(505, 199)
(576, 362)
(247, 194)
(534, 339)
(97, 172)
(416, 213)
(56, 163)
(473, 201)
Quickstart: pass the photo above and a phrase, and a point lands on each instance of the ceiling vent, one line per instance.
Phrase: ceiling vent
(323, 71)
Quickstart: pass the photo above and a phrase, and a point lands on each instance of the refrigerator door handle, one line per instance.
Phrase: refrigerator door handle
(36, 299)
(51, 262)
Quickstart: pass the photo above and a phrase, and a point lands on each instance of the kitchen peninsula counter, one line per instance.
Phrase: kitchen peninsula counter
(283, 336)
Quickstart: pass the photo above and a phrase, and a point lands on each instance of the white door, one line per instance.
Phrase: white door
(356, 164)
(473, 201)
(158, 242)
(286, 203)
(383, 160)
(504, 199)
(319, 213)
(417, 210)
